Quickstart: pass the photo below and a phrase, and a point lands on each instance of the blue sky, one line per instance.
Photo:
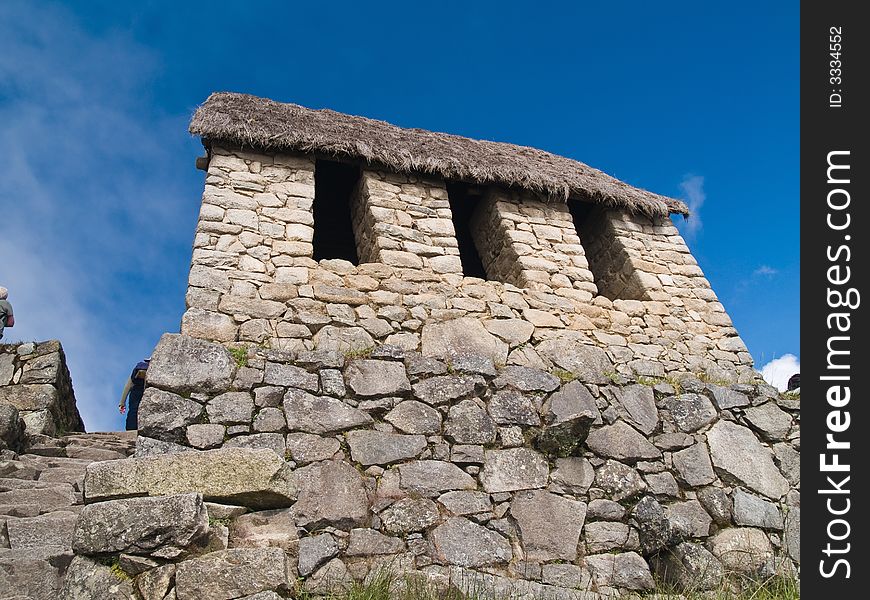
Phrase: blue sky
(99, 194)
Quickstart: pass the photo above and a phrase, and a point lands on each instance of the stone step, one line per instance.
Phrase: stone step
(23, 503)
(94, 453)
(49, 530)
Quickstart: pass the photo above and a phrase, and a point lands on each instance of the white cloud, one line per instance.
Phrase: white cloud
(692, 187)
(94, 211)
(765, 271)
(778, 371)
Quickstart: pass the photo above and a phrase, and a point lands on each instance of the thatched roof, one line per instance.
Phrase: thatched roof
(267, 125)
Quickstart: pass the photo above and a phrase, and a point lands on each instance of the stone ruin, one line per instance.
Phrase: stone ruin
(471, 365)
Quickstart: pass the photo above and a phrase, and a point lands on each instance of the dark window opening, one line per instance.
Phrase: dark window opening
(334, 187)
(580, 212)
(463, 200)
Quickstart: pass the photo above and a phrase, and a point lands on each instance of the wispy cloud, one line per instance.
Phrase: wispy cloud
(91, 199)
(778, 371)
(692, 188)
(765, 271)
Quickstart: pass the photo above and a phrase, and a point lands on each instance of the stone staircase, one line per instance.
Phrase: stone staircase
(41, 495)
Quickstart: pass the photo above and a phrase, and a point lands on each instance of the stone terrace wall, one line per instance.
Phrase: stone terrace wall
(253, 280)
(458, 469)
(35, 387)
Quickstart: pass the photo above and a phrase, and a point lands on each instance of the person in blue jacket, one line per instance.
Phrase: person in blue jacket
(134, 388)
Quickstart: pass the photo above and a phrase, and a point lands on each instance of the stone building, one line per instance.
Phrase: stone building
(324, 230)
(468, 364)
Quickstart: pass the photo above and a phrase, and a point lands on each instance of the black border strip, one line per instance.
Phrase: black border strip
(835, 227)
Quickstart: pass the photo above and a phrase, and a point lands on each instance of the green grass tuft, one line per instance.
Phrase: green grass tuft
(360, 353)
(563, 375)
(240, 354)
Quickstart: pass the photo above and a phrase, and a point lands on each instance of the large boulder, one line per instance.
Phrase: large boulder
(568, 414)
(571, 353)
(320, 414)
(369, 447)
(462, 336)
(740, 458)
(342, 485)
(254, 478)
(622, 442)
(743, 550)
(183, 364)
(549, 525)
(87, 579)
(460, 542)
(162, 526)
(232, 573)
(433, 477)
(371, 378)
(513, 469)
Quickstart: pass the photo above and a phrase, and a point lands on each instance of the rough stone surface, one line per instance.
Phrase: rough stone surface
(568, 415)
(626, 570)
(410, 514)
(306, 448)
(232, 573)
(238, 475)
(369, 542)
(725, 398)
(618, 481)
(348, 504)
(183, 364)
(369, 378)
(265, 529)
(688, 567)
(513, 469)
(511, 407)
(622, 442)
(572, 475)
(468, 423)
(458, 541)
(693, 465)
(752, 511)
(433, 477)
(314, 551)
(744, 550)
(141, 525)
(87, 579)
(377, 448)
(231, 408)
(588, 363)
(549, 525)
(689, 519)
(462, 336)
(412, 416)
(769, 420)
(167, 414)
(717, 504)
(737, 454)
(638, 401)
(320, 414)
(691, 411)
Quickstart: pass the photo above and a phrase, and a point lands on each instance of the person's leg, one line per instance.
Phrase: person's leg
(133, 410)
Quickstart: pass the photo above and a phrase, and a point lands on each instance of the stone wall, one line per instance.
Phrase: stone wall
(405, 222)
(35, 388)
(532, 245)
(455, 468)
(253, 279)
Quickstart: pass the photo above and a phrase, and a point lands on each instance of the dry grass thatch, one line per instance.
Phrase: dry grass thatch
(261, 123)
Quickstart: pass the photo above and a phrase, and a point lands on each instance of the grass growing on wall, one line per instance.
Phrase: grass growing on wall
(385, 586)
